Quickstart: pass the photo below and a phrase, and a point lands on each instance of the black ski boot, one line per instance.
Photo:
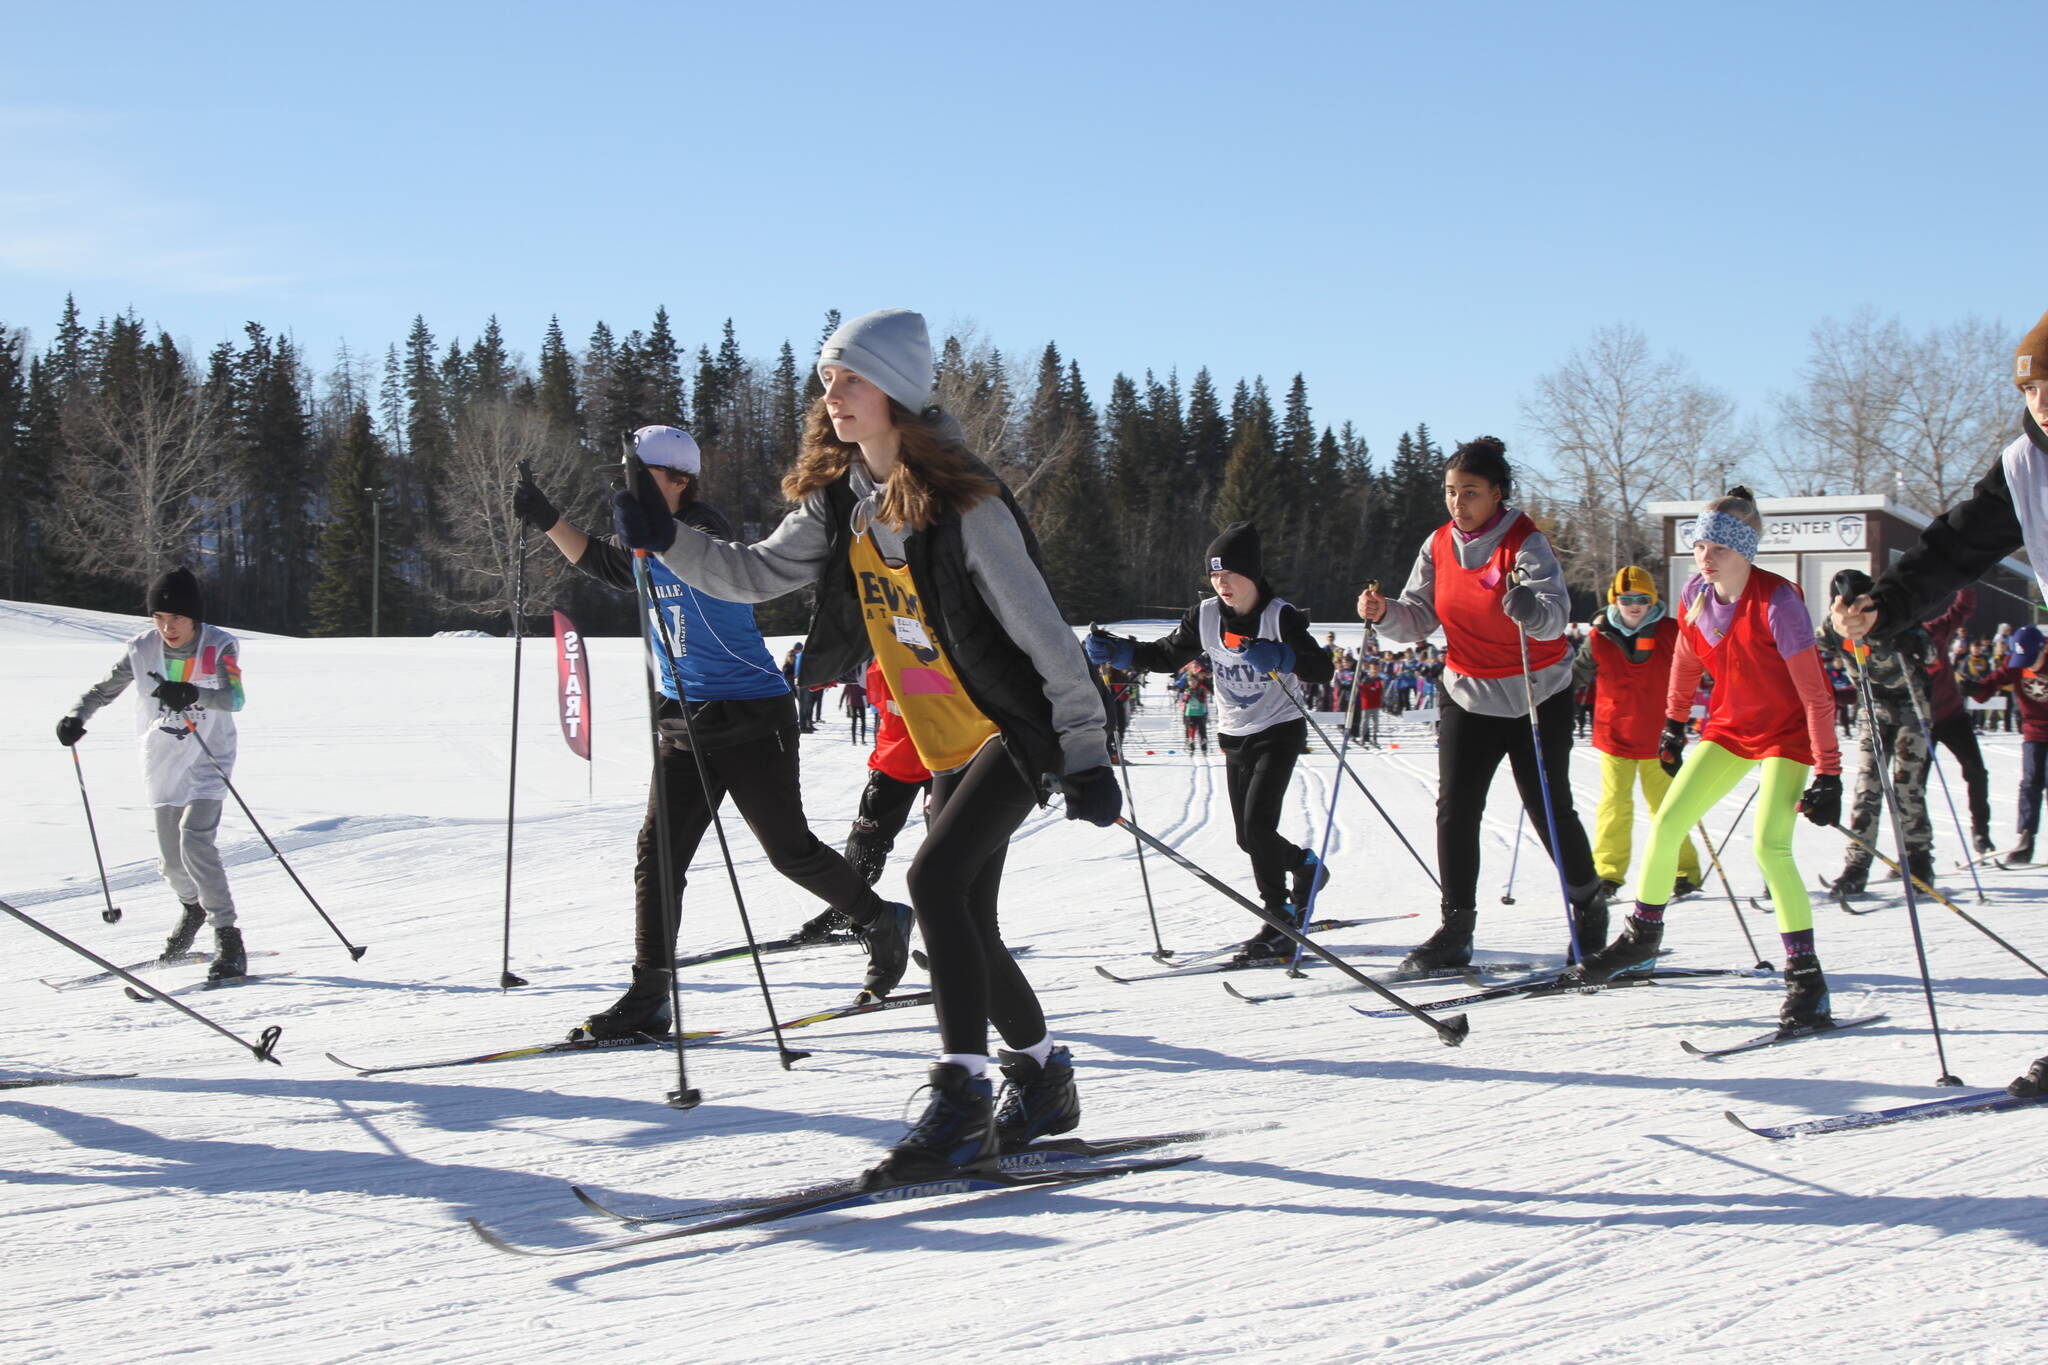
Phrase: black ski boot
(2033, 1084)
(1852, 881)
(230, 958)
(1449, 946)
(2021, 852)
(1038, 1101)
(822, 926)
(1921, 865)
(1609, 887)
(1589, 914)
(1636, 946)
(644, 1008)
(1269, 944)
(1980, 842)
(1683, 887)
(887, 939)
(179, 944)
(1806, 996)
(956, 1136)
(1307, 879)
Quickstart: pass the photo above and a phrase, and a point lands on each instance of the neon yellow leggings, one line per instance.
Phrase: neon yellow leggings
(1710, 773)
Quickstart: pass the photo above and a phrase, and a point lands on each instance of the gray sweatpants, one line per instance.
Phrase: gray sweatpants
(191, 861)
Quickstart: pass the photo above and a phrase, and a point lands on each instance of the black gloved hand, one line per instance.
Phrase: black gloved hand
(176, 695)
(531, 505)
(1093, 795)
(640, 513)
(1822, 802)
(70, 730)
(1671, 748)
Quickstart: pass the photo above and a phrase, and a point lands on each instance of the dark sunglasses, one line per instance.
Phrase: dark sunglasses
(1635, 599)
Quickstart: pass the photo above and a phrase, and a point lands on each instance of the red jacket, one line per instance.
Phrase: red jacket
(2029, 689)
(894, 755)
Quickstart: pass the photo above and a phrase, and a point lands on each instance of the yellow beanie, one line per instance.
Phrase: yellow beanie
(1633, 579)
(2030, 361)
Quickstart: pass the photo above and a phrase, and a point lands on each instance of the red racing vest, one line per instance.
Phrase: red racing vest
(1629, 688)
(1754, 711)
(1480, 641)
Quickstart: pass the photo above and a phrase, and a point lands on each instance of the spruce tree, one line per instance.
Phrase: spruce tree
(663, 363)
(340, 600)
(556, 391)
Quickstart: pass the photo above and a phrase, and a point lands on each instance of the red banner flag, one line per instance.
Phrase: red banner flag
(572, 672)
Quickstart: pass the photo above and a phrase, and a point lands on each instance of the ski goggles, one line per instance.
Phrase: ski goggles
(1635, 599)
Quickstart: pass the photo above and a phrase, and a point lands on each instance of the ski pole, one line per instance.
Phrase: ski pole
(506, 980)
(1507, 897)
(638, 474)
(1160, 952)
(1356, 780)
(355, 951)
(1571, 914)
(1451, 1031)
(1315, 886)
(111, 914)
(1934, 761)
(1715, 858)
(1881, 761)
(265, 1046)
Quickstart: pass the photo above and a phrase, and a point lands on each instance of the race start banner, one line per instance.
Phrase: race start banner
(572, 673)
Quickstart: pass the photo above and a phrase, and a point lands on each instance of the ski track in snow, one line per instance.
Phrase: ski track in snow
(1561, 1188)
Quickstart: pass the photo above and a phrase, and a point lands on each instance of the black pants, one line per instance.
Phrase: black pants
(954, 883)
(1956, 735)
(884, 808)
(761, 775)
(2033, 780)
(1469, 750)
(1257, 769)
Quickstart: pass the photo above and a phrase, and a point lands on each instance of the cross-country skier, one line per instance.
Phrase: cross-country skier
(1897, 673)
(2029, 683)
(1259, 652)
(745, 729)
(922, 559)
(1771, 707)
(201, 668)
(2006, 511)
(1952, 727)
(1480, 577)
(1626, 659)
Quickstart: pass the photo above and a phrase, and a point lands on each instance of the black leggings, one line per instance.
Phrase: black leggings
(1961, 740)
(761, 775)
(1469, 750)
(954, 882)
(1257, 769)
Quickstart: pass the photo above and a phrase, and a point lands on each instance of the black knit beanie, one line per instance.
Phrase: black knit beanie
(176, 592)
(1237, 550)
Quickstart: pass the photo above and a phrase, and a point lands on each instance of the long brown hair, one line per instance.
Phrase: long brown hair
(934, 472)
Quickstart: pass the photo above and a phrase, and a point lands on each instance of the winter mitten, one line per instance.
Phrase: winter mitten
(641, 517)
(1523, 605)
(176, 696)
(1671, 748)
(70, 730)
(1103, 648)
(1093, 795)
(1270, 656)
(531, 505)
(1822, 802)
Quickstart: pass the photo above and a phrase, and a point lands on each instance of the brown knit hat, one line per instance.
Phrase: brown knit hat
(2030, 361)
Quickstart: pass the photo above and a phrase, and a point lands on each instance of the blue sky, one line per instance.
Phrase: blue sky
(1422, 208)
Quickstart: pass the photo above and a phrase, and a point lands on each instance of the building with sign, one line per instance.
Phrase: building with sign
(1810, 540)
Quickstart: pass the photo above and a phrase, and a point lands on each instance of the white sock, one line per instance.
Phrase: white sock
(976, 1064)
(1038, 1051)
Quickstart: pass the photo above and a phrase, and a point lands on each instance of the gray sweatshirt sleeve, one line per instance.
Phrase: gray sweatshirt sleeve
(1411, 617)
(1540, 570)
(105, 690)
(1016, 592)
(791, 556)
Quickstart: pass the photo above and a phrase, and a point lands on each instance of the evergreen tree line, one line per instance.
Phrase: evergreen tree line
(308, 503)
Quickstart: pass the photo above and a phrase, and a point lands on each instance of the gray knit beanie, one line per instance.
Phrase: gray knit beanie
(890, 349)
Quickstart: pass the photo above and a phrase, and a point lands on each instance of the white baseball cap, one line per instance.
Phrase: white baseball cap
(669, 447)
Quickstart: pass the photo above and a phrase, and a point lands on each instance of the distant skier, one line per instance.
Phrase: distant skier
(746, 736)
(201, 668)
(1897, 674)
(1247, 634)
(2028, 680)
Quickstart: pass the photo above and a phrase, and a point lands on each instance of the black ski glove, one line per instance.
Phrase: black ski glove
(531, 505)
(640, 513)
(1671, 748)
(1822, 802)
(176, 696)
(70, 730)
(1093, 796)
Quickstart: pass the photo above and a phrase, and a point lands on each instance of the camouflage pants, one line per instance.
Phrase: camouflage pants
(1906, 744)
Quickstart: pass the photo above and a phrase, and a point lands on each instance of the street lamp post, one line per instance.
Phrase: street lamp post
(376, 552)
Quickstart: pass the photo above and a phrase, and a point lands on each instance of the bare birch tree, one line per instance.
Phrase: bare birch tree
(481, 544)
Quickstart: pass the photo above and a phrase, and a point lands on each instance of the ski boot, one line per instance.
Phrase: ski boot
(1636, 946)
(2021, 852)
(1806, 996)
(1269, 944)
(1609, 887)
(956, 1135)
(2033, 1084)
(1589, 916)
(1308, 878)
(1852, 881)
(1038, 1100)
(887, 939)
(820, 927)
(1449, 946)
(1683, 887)
(230, 958)
(1980, 843)
(1921, 865)
(644, 1008)
(179, 944)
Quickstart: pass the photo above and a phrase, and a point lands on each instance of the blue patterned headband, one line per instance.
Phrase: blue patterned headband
(1737, 534)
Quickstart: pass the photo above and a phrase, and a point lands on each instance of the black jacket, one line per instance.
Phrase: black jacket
(1958, 547)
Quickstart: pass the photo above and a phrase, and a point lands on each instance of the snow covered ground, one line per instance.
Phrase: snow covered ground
(1561, 1188)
